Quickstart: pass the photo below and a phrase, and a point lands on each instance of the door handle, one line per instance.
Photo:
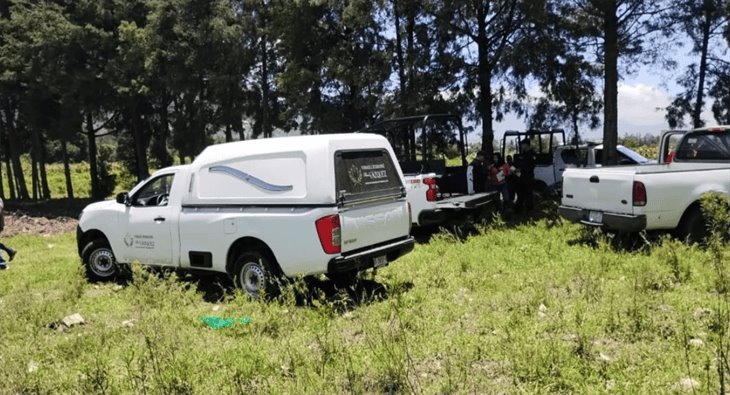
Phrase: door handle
(594, 179)
(160, 219)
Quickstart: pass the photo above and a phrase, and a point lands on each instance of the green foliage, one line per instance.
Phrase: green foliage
(512, 309)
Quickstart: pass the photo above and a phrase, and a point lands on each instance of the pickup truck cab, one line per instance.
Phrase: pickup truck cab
(259, 210)
(659, 196)
(584, 155)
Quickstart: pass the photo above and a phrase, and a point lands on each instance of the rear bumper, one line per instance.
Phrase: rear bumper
(452, 208)
(365, 259)
(611, 221)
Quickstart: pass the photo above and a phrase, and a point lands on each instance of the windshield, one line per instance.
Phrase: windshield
(633, 155)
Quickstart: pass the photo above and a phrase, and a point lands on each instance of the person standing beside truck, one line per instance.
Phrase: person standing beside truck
(498, 173)
(11, 252)
(476, 174)
(525, 162)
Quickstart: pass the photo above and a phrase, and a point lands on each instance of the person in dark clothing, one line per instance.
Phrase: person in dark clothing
(477, 174)
(512, 178)
(525, 162)
(11, 252)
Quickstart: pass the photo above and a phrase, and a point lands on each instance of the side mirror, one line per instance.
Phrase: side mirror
(122, 198)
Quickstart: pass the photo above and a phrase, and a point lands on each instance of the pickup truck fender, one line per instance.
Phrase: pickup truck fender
(672, 219)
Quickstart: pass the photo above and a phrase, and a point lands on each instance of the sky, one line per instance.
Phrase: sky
(642, 97)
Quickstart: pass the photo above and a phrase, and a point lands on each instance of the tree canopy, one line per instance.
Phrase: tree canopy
(158, 80)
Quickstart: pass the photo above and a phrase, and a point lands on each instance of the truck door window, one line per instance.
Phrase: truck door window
(570, 157)
(155, 192)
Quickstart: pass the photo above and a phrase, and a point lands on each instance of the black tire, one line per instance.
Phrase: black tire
(343, 279)
(692, 228)
(255, 273)
(99, 262)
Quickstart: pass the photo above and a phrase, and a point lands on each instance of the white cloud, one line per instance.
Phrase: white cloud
(641, 104)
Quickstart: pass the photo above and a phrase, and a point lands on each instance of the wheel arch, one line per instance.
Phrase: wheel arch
(87, 237)
(695, 205)
(249, 244)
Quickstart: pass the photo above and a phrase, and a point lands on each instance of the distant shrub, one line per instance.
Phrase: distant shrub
(716, 212)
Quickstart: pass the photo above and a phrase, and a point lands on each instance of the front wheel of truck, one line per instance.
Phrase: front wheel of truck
(99, 261)
(254, 274)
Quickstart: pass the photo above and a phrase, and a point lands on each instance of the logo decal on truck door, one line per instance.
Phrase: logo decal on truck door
(245, 177)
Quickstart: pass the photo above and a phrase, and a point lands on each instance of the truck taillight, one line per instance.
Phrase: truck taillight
(639, 194)
(433, 189)
(330, 235)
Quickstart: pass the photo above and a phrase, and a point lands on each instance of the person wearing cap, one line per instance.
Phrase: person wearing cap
(11, 252)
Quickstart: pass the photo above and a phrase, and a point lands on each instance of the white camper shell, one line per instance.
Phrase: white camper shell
(258, 209)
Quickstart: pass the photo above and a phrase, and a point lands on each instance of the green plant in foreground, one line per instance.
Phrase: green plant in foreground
(518, 308)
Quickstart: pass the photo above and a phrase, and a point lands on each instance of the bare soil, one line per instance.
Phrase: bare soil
(45, 217)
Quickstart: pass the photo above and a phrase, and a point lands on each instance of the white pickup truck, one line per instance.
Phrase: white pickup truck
(661, 196)
(438, 193)
(258, 210)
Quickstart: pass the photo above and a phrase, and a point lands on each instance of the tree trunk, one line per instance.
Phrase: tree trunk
(34, 173)
(409, 64)
(229, 133)
(485, 87)
(11, 182)
(14, 153)
(610, 111)
(93, 169)
(45, 190)
(67, 170)
(140, 149)
(402, 82)
(162, 155)
(2, 138)
(697, 113)
(266, 128)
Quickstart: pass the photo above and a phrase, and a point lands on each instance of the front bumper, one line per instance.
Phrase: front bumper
(610, 221)
(365, 259)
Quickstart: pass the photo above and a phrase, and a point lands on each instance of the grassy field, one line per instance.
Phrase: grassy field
(537, 307)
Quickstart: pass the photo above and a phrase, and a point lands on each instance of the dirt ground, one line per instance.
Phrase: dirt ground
(38, 218)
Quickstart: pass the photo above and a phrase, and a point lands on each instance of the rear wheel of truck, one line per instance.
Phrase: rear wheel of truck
(254, 273)
(344, 279)
(692, 228)
(99, 261)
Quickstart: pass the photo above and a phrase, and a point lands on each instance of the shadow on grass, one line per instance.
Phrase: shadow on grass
(466, 226)
(618, 241)
(307, 291)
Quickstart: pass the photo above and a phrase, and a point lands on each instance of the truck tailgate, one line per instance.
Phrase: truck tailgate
(467, 201)
(606, 190)
(365, 226)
